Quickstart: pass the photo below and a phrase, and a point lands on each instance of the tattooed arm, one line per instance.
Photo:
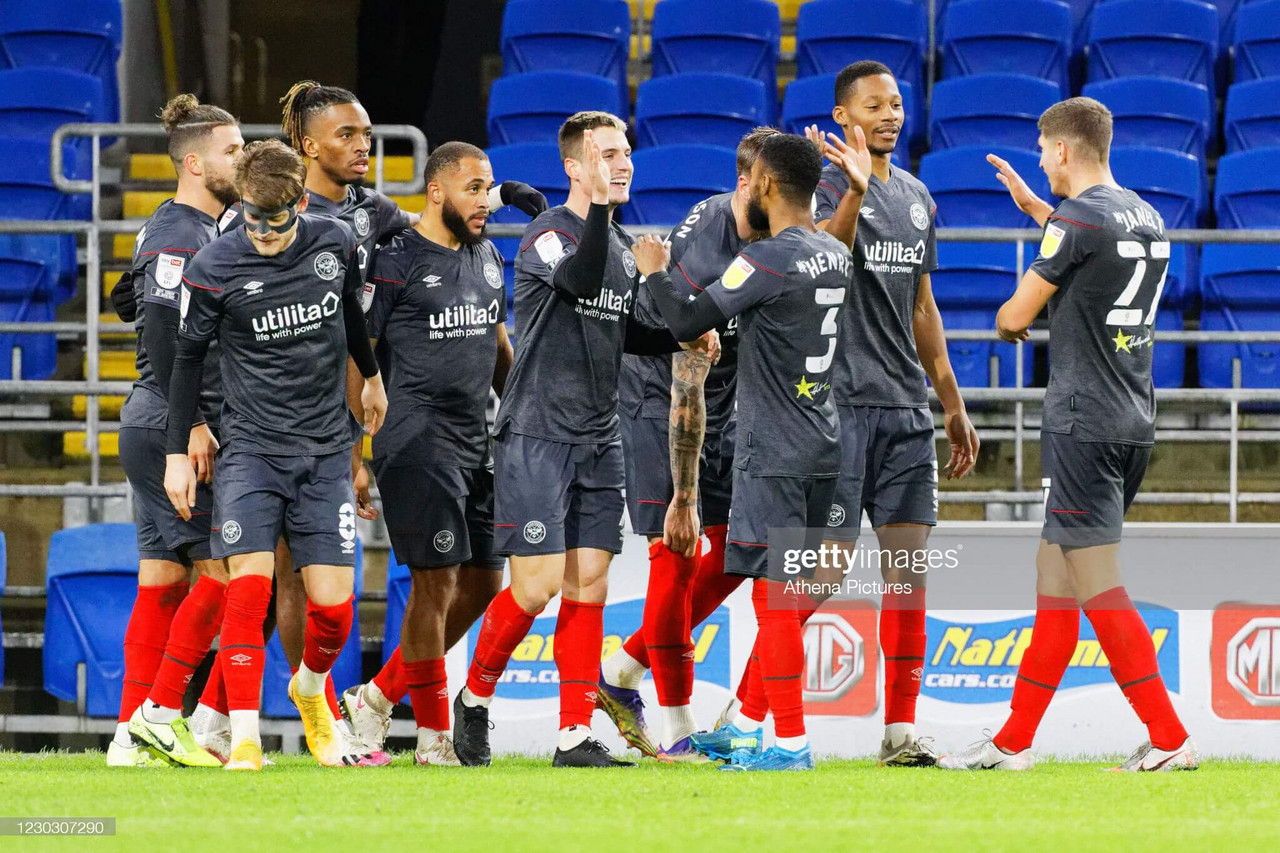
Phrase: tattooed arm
(688, 424)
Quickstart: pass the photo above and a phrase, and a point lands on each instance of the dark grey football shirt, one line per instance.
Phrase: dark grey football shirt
(896, 244)
(373, 217)
(161, 254)
(564, 383)
(435, 314)
(788, 293)
(702, 246)
(279, 321)
(1106, 252)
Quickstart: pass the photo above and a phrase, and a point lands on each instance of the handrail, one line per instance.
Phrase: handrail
(250, 131)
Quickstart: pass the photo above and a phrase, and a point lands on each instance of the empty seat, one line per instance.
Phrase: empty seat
(670, 180)
(1257, 42)
(590, 36)
(92, 580)
(35, 101)
(78, 35)
(1154, 38)
(964, 186)
(1247, 193)
(971, 283)
(27, 192)
(346, 669)
(989, 109)
(1157, 112)
(809, 100)
(26, 355)
(1167, 180)
(1241, 284)
(531, 107)
(707, 109)
(830, 34)
(537, 164)
(718, 36)
(1252, 116)
(993, 36)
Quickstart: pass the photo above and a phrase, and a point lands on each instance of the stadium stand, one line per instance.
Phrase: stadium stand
(1240, 283)
(1257, 41)
(1252, 115)
(92, 580)
(989, 109)
(538, 164)
(962, 184)
(1030, 37)
(1248, 189)
(531, 107)
(970, 284)
(590, 36)
(670, 180)
(78, 35)
(700, 109)
(1158, 112)
(34, 102)
(808, 101)
(1125, 40)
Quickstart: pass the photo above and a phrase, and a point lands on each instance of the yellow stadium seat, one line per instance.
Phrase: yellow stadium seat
(151, 167)
(114, 337)
(788, 46)
(108, 406)
(114, 364)
(140, 205)
(788, 9)
(410, 203)
(642, 8)
(75, 444)
(394, 169)
(122, 247)
(109, 279)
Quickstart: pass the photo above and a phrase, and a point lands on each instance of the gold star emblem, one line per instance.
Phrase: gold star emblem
(1121, 340)
(805, 388)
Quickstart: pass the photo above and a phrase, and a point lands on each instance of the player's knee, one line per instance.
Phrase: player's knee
(328, 586)
(160, 573)
(215, 569)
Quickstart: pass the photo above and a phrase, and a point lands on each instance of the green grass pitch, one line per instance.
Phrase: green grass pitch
(522, 804)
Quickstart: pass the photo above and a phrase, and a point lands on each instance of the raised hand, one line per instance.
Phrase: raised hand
(1027, 201)
(594, 171)
(854, 160)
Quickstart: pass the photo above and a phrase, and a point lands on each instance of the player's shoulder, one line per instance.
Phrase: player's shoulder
(912, 184)
(176, 228)
(549, 234)
(324, 228)
(1089, 210)
(833, 179)
(398, 254)
(773, 254)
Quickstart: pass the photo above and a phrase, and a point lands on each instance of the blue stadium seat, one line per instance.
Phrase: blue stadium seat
(92, 581)
(35, 101)
(537, 164)
(971, 283)
(1154, 38)
(964, 187)
(718, 36)
(4, 576)
(996, 37)
(1157, 112)
(79, 35)
(1241, 284)
(531, 107)
(672, 179)
(1169, 181)
(989, 109)
(1247, 194)
(809, 100)
(590, 36)
(26, 356)
(1081, 10)
(346, 669)
(398, 584)
(830, 34)
(27, 192)
(1257, 42)
(705, 109)
(1252, 116)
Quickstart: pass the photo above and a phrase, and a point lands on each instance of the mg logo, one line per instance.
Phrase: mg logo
(1253, 662)
(834, 659)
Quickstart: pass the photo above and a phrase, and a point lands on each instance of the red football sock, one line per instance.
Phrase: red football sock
(215, 689)
(1053, 642)
(755, 704)
(902, 637)
(391, 678)
(505, 625)
(1127, 644)
(194, 626)
(578, 641)
(780, 650)
(429, 693)
(144, 641)
(326, 633)
(241, 654)
(666, 623)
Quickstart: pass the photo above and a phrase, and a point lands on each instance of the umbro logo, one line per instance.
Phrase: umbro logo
(444, 693)
(487, 677)
(689, 655)
(867, 212)
(330, 651)
(253, 288)
(591, 696)
(241, 659)
(432, 281)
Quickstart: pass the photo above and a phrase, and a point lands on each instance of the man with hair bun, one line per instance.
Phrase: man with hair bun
(169, 630)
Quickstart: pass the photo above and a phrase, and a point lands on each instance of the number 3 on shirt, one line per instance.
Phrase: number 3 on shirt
(1121, 314)
(833, 296)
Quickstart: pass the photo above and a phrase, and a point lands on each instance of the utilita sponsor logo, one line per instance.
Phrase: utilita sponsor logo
(295, 319)
(1245, 665)
(894, 252)
(460, 320)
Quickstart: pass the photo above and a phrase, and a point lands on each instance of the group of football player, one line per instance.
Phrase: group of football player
(765, 367)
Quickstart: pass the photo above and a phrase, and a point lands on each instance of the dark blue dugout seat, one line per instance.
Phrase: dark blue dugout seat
(964, 186)
(398, 585)
(997, 37)
(35, 101)
(78, 35)
(590, 36)
(809, 100)
(1157, 112)
(831, 34)
(971, 283)
(1154, 38)
(718, 36)
(92, 579)
(1257, 41)
(346, 669)
(705, 109)
(1252, 115)
(1241, 284)
(1247, 193)
(531, 107)
(989, 109)
(672, 179)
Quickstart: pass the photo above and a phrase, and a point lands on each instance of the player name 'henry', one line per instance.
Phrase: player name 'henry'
(823, 261)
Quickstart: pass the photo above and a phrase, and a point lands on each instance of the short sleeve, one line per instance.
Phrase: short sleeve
(391, 219)
(931, 240)
(826, 198)
(543, 251)
(200, 303)
(745, 284)
(1064, 246)
(386, 287)
(162, 282)
(353, 279)
(502, 291)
